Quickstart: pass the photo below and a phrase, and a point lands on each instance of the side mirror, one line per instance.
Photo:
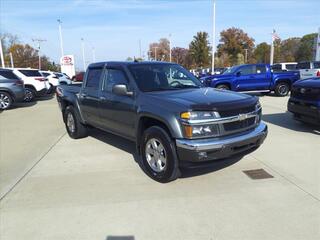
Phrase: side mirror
(238, 74)
(121, 89)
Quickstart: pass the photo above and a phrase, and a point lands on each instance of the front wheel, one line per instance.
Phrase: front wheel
(223, 87)
(282, 89)
(5, 100)
(74, 127)
(159, 158)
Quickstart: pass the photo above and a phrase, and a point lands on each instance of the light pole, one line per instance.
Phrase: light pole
(155, 53)
(1, 53)
(83, 57)
(140, 49)
(246, 55)
(60, 33)
(11, 59)
(93, 54)
(170, 48)
(213, 36)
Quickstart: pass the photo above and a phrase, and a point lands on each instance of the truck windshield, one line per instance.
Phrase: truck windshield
(160, 77)
(230, 70)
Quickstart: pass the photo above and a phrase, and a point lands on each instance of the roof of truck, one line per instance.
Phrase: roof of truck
(124, 63)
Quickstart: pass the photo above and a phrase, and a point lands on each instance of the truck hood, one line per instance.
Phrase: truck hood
(204, 99)
(308, 83)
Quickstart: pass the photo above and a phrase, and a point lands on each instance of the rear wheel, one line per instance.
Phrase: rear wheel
(5, 100)
(30, 95)
(223, 87)
(74, 127)
(159, 158)
(282, 89)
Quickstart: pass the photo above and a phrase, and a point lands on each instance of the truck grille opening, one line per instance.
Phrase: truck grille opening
(238, 125)
(234, 112)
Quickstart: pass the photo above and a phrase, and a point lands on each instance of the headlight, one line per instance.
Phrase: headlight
(193, 128)
(258, 106)
(259, 112)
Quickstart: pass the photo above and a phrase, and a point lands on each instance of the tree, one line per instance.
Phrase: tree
(262, 53)
(181, 56)
(289, 49)
(305, 51)
(234, 41)
(24, 55)
(160, 51)
(200, 50)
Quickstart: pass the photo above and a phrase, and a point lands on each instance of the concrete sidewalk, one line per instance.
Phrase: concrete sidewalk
(93, 189)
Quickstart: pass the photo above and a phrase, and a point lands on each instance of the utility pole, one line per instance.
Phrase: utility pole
(318, 47)
(140, 48)
(1, 54)
(246, 55)
(155, 53)
(11, 59)
(60, 33)
(170, 58)
(93, 54)
(83, 57)
(39, 42)
(213, 36)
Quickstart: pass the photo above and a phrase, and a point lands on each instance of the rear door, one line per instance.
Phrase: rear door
(117, 113)
(89, 96)
(305, 70)
(316, 69)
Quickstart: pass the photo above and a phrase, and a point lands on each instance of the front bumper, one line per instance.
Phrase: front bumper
(201, 150)
(305, 111)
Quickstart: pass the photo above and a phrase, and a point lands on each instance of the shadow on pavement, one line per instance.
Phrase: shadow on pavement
(120, 238)
(22, 105)
(186, 170)
(286, 120)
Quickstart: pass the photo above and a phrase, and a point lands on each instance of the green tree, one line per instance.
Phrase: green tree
(306, 49)
(262, 53)
(289, 49)
(182, 57)
(200, 50)
(234, 41)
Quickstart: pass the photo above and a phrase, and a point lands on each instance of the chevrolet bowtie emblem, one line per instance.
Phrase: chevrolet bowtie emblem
(242, 117)
(302, 90)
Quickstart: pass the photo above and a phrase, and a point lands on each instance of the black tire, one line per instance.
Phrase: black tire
(5, 100)
(78, 130)
(223, 87)
(30, 94)
(282, 89)
(171, 170)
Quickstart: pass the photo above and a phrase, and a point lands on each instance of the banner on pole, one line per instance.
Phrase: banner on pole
(67, 65)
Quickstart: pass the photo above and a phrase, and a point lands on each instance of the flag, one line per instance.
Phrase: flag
(275, 36)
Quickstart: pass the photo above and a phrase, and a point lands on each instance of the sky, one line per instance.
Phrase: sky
(115, 27)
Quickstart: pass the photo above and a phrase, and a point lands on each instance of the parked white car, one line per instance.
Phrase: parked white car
(309, 69)
(63, 78)
(35, 84)
(52, 78)
(285, 66)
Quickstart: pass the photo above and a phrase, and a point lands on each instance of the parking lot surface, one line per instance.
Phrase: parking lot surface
(54, 187)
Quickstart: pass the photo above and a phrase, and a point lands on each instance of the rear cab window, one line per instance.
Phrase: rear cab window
(316, 65)
(93, 78)
(30, 73)
(303, 65)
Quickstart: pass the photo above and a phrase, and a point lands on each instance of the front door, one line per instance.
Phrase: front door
(118, 113)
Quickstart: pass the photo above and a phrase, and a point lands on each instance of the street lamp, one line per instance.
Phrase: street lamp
(60, 33)
(213, 35)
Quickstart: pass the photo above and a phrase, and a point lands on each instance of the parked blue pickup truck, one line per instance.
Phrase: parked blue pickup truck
(304, 101)
(253, 77)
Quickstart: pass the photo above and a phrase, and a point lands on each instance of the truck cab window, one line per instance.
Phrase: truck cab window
(93, 78)
(247, 70)
(113, 77)
(261, 69)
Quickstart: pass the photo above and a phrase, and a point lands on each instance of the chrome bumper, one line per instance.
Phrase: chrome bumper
(197, 145)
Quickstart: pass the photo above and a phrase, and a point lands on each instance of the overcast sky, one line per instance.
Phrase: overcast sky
(114, 27)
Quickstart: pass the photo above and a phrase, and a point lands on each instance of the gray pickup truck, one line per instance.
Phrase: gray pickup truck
(165, 110)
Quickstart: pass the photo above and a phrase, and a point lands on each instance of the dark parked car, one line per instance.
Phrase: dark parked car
(164, 109)
(11, 89)
(304, 101)
(78, 77)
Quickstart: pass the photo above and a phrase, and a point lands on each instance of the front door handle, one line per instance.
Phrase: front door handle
(102, 98)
